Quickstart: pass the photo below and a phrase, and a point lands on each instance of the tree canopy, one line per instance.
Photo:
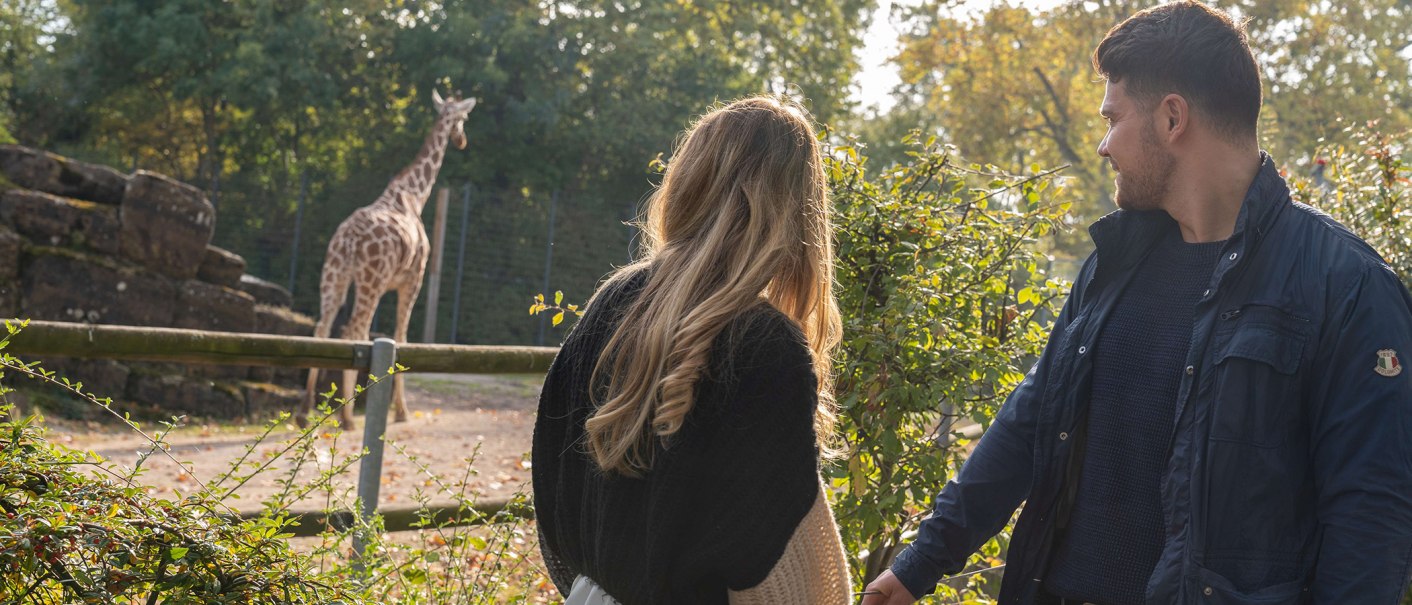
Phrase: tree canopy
(1015, 86)
(262, 102)
(265, 102)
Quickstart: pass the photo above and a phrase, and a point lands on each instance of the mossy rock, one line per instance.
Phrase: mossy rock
(52, 173)
(7, 184)
(62, 284)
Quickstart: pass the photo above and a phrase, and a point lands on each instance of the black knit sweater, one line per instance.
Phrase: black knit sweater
(1116, 532)
(723, 496)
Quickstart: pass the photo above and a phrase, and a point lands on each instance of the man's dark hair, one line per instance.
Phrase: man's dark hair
(1189, 49)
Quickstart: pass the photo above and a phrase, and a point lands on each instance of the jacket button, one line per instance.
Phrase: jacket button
(1206, 591)
(1206, 293)
(1190, 370)
(1063, 436)
(1083, 350)
(1234, 255)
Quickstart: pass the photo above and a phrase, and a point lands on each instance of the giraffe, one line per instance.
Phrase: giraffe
(383, 247)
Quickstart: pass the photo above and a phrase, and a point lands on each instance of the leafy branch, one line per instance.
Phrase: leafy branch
(540, 306)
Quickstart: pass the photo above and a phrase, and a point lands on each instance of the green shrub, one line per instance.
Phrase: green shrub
(944, 295)
(77, 528)
(70, 537)
(1367, 186)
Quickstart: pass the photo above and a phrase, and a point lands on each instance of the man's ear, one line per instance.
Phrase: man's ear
(1174, 114)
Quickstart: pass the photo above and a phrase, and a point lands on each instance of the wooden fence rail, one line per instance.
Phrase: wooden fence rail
(311, 523)
(229, 348)
(226, 348)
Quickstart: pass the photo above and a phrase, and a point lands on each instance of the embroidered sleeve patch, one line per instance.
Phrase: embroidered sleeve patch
(1388, 363)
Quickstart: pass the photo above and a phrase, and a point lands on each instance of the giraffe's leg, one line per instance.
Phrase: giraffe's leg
(406, 297)
(333, 288)
(365, 300)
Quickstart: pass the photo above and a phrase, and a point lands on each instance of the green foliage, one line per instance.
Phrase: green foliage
(540, 306)
(1329, 65)
(1015, 84)
(1367, 186)
(448, 561)
(71, 538)
(78, 528)
(942, 294)
(257, 101)
(23, 28)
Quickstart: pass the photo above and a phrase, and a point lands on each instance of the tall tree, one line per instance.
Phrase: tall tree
(1014, 86)
(171, 82)
(29, 30)
(1329, 65)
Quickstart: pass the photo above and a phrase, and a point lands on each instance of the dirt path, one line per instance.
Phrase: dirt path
(453, 415)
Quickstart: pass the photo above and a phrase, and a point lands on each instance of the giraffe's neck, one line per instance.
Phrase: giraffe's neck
(410, 189)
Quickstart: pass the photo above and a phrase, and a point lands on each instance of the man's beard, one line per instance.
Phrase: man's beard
(1145, 187)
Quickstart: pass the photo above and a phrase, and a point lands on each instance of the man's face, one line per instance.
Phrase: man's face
(1132, 147)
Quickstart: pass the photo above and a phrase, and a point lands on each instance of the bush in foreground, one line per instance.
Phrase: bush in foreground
(944, 294)
(75, 528)
(70, 537)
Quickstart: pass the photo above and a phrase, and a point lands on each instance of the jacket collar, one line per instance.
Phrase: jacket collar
(1123, 237)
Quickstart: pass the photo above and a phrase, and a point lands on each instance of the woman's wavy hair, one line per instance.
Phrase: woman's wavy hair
(742, 218)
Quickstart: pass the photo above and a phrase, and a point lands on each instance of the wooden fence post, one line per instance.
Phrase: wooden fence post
(379, 398)
(438, 236)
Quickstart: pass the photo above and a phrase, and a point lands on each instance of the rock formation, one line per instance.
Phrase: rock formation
(86, 243)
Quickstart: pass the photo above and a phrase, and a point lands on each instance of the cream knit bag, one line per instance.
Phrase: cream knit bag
(813, 569)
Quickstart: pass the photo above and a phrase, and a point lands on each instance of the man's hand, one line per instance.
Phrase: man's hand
(889, 591)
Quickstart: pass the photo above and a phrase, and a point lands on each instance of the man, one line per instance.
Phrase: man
(1220, 415)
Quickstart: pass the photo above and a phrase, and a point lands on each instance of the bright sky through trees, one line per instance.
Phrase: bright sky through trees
(876, 76)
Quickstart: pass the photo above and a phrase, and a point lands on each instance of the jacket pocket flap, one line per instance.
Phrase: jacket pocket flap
(1216, 589)
(1266, 344)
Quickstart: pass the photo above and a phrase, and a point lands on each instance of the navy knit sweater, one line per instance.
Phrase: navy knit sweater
(1115, 533)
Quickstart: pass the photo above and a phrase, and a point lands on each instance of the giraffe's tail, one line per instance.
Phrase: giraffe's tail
(333, 291)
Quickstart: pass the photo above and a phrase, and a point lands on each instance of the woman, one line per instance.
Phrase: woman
(677, 445)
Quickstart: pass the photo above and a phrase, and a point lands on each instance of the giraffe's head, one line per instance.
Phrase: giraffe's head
(455, 111)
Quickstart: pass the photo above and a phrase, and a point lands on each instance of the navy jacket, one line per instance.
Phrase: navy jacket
(1289, 478)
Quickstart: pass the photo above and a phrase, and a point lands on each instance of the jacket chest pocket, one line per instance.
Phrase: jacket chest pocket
(1257, 378)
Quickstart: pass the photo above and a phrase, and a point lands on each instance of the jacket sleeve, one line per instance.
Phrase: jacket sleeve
(996, 477)
(1362, 445)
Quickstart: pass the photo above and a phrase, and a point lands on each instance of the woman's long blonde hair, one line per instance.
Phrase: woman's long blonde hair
(742, 217)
